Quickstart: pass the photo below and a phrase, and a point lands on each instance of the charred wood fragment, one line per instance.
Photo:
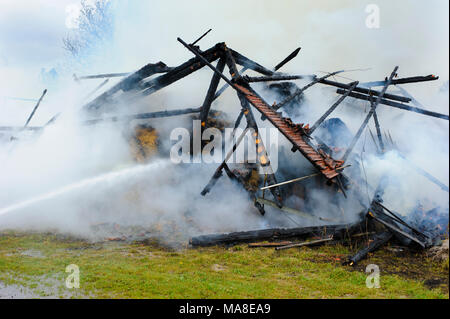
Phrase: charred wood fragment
(395, 104)
(211, 92)
(127, 84)
(287, 59)
(306, 243)
(377, 242)
(412, 79)
(366, 91)
(332, 108)
(143, 116)
(249, 64)
(338, 231)
(35, 108)
(274, 78)
(182, 70)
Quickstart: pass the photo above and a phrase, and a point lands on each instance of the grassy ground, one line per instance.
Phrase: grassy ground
(119, 270)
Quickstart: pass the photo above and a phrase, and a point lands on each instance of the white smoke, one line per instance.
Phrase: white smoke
(333, 36)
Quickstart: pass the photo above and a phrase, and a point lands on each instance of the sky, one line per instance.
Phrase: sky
(412, 34)
(31, 32)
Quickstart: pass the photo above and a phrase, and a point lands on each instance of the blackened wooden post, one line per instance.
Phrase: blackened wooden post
(35, 108)
(287, 59)
(332, 108)
(369, 115)
(377, 127)
(211, 92)
(300, 91)
(395, 104)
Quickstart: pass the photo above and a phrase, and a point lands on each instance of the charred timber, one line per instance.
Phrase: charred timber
(379, 240)
(412, 79)
(143, 116)
(218, 172)
(300, 91)
(211, 92)
(128, 83)
(395, 104)
(307, 243)
(332, 108)
(140, 116)
(373, 106)
(201, 37)
(274, 78)
(366, 91)
(338, 231)
(182, 70)
(287, 59)
(249, 64)
(102, 76)
(35, 108)
(394, 229)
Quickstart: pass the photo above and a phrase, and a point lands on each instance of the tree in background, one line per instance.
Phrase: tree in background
(94, 28)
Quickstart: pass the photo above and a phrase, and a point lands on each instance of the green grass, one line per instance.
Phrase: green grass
(118, 270)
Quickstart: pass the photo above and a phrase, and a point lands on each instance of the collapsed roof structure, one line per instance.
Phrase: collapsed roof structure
(154, 77)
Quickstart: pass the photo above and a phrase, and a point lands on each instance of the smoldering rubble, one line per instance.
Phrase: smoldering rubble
(331, 183)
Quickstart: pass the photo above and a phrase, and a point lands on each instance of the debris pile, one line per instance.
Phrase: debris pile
(329, 161)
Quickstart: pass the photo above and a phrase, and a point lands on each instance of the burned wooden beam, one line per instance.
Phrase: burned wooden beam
(100, 76)
(366, 91)
(306, 243)
(201, 37)
(378, 129)
(274, 78)
(300, 91)
(398, 219)
(249, 64)
(118, 118)
(332, 108)
(211, 92)
(287, 59)
(218, 172)
(129, 83)
(201, 57)
(262, 156)
(373, 106)
(143, 116)
(182, 70)
(297, 134)
(377, 242)
(395, 229)
(231, 63)
(269, 245)
(397, 105)
(338, 231)
(35, 108)
(226, 85)
(412, 79)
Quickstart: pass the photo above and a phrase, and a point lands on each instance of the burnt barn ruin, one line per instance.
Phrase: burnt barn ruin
(329, 153)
